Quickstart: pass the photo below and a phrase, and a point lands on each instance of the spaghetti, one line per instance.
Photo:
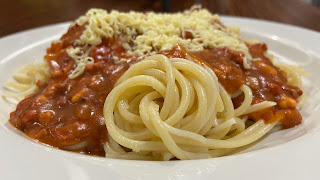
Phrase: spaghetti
(154, 87)
(25, 80)
(163, 108)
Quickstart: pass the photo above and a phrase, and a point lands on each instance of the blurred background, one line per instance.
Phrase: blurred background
(19, 15)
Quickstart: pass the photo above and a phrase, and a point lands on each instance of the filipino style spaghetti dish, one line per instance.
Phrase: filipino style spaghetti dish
(152, 86)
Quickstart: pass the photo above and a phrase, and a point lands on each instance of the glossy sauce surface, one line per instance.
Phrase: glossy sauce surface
(67, 113)
(266, 81)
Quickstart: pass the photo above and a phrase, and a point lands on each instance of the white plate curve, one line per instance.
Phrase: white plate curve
(288, 154)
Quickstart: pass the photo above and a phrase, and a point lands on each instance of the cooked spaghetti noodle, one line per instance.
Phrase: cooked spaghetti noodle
(25, 80)
(179, 110)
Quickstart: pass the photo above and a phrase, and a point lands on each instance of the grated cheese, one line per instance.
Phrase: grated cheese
(143, 34)
(81, 59)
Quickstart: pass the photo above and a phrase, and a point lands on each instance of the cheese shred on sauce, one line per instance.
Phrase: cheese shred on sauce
(143, 34)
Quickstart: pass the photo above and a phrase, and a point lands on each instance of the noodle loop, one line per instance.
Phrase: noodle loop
(163, 108)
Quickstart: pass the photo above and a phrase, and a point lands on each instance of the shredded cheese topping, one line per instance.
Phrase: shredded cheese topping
(81, 58)
(143, 34)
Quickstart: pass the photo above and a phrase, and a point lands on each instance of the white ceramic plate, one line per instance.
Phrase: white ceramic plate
(288, 154)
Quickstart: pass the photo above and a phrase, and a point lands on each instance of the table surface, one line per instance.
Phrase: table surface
(19, 15)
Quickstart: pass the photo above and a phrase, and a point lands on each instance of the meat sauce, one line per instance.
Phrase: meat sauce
(266, 81)
(68, 113)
